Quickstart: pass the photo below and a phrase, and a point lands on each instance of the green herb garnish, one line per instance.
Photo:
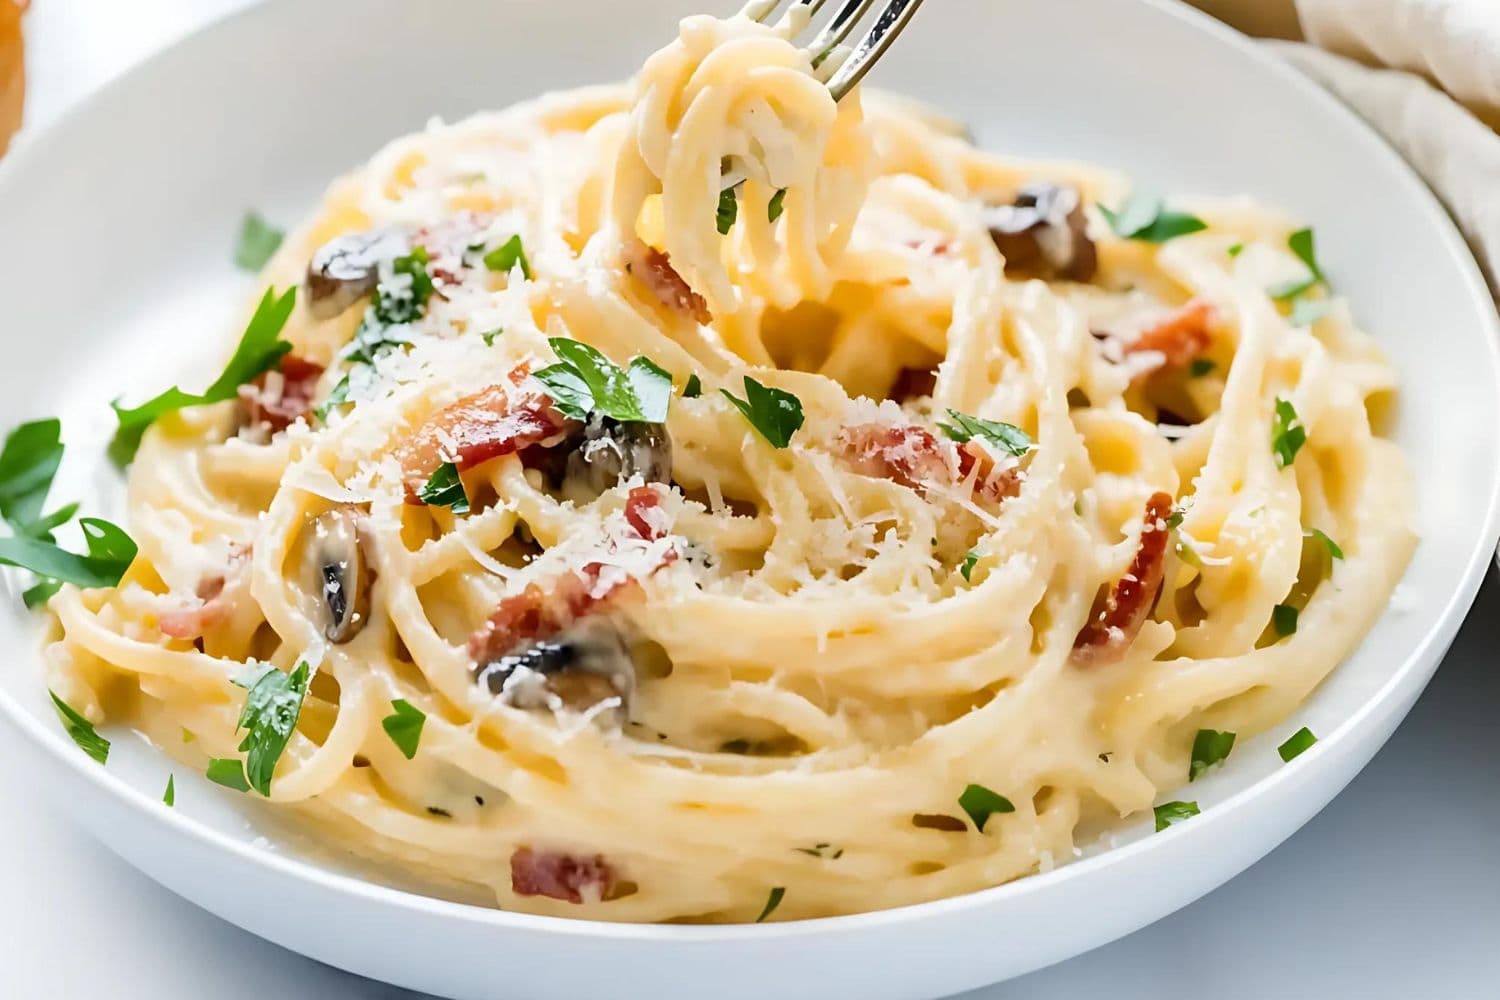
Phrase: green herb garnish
(981, 803)
(257, 242)
(1200, 367)
(1303, 245)
(489, 336)
(1144, 217)
(1328, 543)
(1284, 619)
(729, 210)
(445, 489)
(229, 772)
(81, 730)
(1236, 250)
(774, 207)
(29, 461)
(1006, 437)
(272, 705)
(170, 795)
(585, 382)
(110, 553)
(1173, 812)
(260, 349)
(775, 413)
(693, 389)
(827, 852)
(508, 255)
(1209, 747)
(772, 901)
(1297, 744)
(404, 726)
(1287, 433)
(971, 559)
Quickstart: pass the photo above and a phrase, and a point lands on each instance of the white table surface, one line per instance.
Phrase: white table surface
(1392, 892)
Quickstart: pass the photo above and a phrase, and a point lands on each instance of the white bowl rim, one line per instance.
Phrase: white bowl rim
(1203, 827)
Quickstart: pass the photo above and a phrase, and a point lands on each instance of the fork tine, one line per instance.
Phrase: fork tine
(889, 25)
(838, 29)
(761, 10)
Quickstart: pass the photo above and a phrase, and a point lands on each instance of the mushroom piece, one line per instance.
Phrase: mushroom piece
(344, 574)
(1043, 233)
(578, 669)
(611, 452)
(347, 268)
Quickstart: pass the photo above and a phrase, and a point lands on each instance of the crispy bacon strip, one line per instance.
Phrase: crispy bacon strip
(490, 423)
(1109, 634)
(560, 876)
(654, 269)
(277, 399)
(1181, 337)
(913, 456)
(644, 513)
(214, 601)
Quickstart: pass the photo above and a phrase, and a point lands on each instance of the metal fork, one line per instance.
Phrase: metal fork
(882, 34)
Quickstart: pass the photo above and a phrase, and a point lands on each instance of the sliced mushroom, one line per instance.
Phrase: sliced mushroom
(610, 452)
(578, 670)
(347, 268)
(345, 576)
(1044, 234)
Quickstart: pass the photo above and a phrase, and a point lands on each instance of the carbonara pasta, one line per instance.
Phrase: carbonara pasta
(696, 499)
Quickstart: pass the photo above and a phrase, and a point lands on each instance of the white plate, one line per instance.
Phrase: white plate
(114, 271)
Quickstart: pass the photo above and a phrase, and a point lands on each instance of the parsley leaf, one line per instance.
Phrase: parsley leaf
(271, 709)
(259, 350)
(1304, 246)
(489, 336)
(1209, 747)
(404, 726)
(1173, 812)
(170, 795)
(772, 901)
(81, 730)
(981, 803)
(1329, 543)
(1284, 620)
(1287, 433)
(110, 553)
(227, 771)
(32, 453)
(1296, 744)
(775, 413)
(1236, 250)
(729, 210)
(1144, 217)
(694, 387)
(971, 559)
(445, 489)
(775, 207)
(1006, 437)
(508, 255)
(1200, 367)
(257, 242)
(585, 382)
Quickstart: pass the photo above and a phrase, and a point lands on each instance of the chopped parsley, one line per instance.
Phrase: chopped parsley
(729, 211)
(1145, 217)
(404, 726)
(772, 901)
(260, 349)
(1328, 543)
(1179, 512)
(1284, 620)
(825, 851)
(1297, 744)
(693, 389)
(1006, 437)
(489, 336)
(1173, 812)
(227, 771)
(272, 705)
(1236, 250)
(257, 242)
(585, 382)
(1210, 747)
(1287, 433)
(775, 413)
(509, 255)
(445, 489)
(774, 208)
(81, 730)
(1304, 246)
(170, 795)
(1200, 367)
(971, 559)
(981, 803)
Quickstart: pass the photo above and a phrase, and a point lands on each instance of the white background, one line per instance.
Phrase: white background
(1393, 892)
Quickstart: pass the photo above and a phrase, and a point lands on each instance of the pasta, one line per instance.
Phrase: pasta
(966, 512)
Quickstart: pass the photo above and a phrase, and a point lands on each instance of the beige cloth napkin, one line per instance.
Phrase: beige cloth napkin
(1426, 73)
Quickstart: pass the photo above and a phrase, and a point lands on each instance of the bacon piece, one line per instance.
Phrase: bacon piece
(1179, 338)
(644, 513)
(536, 614)
(214, 601)
(914, 457)
(279, 398)
(654, 268)
(1109, 634)
(488, 424)
(560, 876)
